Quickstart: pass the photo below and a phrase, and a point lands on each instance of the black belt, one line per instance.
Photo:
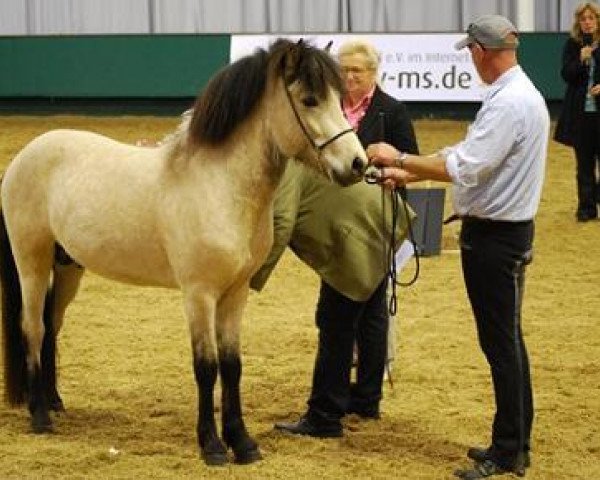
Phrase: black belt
(471, 219)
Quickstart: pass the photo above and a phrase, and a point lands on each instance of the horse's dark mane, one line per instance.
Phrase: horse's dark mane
(231, 95)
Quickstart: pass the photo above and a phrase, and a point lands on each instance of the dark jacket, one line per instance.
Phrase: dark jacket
(576, 75)
(342, 233)
(396, 127)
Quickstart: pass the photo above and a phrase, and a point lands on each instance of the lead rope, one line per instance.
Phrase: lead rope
(398, 197)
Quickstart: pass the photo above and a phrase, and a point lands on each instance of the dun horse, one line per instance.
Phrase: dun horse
(193, 214)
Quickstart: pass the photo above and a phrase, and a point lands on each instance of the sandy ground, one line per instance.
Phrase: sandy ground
(127, 381)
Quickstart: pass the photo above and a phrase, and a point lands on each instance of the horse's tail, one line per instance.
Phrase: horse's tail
(15, 366)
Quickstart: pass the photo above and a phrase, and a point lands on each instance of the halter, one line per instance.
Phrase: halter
(318, 148)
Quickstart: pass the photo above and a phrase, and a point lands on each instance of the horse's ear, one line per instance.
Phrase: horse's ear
(291, 59)
(328, 46)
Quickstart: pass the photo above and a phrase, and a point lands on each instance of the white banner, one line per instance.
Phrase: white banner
(414, 67)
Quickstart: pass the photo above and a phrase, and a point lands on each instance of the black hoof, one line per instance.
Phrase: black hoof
(41, 423)
(245, 449)
(213, 452)
(247, 456)
(215, 459)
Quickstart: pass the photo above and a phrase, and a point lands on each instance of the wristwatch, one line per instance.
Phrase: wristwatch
(399, 162)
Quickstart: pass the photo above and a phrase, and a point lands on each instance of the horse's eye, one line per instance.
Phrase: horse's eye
(310, 101)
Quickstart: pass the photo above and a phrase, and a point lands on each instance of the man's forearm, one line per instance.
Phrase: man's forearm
(426, 168)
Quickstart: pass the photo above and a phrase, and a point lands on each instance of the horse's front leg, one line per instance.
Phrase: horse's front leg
(200, 311)
(235, 434)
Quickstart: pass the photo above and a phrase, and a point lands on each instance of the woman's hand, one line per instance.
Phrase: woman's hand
(595, 90)
(586, 53)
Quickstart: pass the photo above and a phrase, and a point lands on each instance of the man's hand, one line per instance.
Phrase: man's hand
(392, 177)
(382, 154)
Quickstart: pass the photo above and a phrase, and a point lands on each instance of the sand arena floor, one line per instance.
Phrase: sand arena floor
(128, 387)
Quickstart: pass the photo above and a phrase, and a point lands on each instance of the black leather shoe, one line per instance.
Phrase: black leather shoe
(487, 468)
(488, 463)
(586, 216)
(480, 455)
(305, 427)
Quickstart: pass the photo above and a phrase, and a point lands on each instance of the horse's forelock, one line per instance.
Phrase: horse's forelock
(322, 72)
(314, 68)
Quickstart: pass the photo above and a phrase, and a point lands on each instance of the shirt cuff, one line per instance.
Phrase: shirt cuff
(452, 165)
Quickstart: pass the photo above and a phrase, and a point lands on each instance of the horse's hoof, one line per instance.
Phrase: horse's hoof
(245, 450)
(215, 459)
(41, 429)
(247, 456)
(41, 425)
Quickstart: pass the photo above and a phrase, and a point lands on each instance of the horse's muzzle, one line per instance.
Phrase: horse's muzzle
(359, 166)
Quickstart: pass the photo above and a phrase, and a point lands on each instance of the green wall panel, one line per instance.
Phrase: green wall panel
(110, 66)
(173, 66)
(540, 54)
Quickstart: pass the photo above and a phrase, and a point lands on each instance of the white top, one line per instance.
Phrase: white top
(498, 169)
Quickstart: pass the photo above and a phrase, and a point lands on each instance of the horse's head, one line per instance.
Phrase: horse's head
(307, 121)
(292, 94)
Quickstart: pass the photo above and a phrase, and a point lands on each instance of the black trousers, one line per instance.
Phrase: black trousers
(494, 256)
(587, 154)
(341, 321)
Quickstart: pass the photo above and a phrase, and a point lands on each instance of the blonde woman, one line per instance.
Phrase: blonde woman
(579, 123)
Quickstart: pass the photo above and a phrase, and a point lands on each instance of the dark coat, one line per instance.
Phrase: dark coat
(396, 127)
(576, 75)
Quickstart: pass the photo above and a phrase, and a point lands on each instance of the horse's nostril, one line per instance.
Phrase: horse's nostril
(358, 165)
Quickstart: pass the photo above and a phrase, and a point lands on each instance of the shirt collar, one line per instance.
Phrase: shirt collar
(364, 101)
(503, 80)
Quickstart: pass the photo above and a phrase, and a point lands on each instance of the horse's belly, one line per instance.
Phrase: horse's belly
(148, 273)
(145, 264)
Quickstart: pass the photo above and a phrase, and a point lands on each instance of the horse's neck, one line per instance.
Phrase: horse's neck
(255, 160)
(247, 166)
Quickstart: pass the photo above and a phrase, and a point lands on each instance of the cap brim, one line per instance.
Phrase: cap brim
(463, 43)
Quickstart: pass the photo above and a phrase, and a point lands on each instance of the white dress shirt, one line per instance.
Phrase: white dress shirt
(498, 169)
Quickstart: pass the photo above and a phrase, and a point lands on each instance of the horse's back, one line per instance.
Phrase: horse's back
(38, 159)
(59, 161)
(95, 196)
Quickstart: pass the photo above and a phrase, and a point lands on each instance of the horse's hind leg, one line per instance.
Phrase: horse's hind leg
(200, 311)
(35, 274)
(64, 288)
(235, 434)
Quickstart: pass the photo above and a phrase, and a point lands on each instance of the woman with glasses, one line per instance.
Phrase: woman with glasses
(342, 235)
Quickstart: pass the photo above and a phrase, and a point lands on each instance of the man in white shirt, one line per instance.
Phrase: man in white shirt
(497, 172)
